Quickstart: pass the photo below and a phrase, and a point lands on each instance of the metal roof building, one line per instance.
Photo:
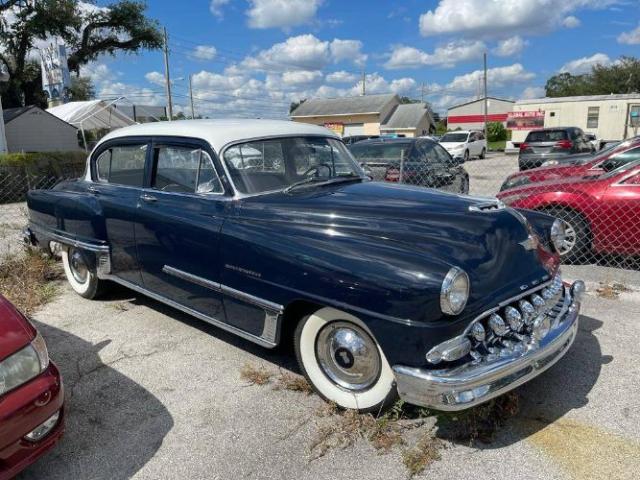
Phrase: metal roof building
(364, 115)
(470, 115)
(31, 129)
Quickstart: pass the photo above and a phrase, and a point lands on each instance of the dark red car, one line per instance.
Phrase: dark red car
(601, 214)
(582, 165)
(31, 394)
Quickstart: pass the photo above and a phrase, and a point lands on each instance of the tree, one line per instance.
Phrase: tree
(294, 105)
(87, 30)
(81, 89)
(405, 100)
(496, 132)
(621, 77)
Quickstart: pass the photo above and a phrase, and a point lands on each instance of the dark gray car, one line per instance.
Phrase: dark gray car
(552, 143)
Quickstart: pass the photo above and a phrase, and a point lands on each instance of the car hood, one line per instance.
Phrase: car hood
(452, 230)
(15, 331)
(448, 145)
(577, 184)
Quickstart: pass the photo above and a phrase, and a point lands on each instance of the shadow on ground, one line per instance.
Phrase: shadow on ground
(113, 425)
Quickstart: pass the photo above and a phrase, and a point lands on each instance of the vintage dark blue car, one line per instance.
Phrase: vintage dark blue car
(271, 230)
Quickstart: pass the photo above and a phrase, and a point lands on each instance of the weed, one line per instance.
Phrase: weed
(422, 454)
(611, 291)
(294, 383)
(255, 375)
(26, 280)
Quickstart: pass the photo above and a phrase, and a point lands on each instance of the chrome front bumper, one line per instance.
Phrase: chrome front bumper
(473, 383)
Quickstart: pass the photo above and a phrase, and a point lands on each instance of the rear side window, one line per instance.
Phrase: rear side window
(122, 165)
(546, 136)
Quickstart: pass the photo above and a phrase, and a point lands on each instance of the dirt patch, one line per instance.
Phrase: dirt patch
(28, 280)
(417, 433)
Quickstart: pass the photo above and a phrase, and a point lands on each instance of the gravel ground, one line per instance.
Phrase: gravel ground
(152, 393)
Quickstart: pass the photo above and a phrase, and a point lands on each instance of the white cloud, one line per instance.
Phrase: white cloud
(571, 22)
(501, 17)
(204, 52)
(498, 77)
(585, 64)
(301, 77)
(532, 92)
(303, 52)
(156, 78)
(510, 46)
(281, 13)
(630, 38)
(341, 77)
(446, 55)
(349, 50)
(216, 7)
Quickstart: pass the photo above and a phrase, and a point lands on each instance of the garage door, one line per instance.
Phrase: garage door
(353, 129)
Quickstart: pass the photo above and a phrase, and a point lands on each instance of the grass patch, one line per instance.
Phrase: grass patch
(499, 145)
(611, 291)
(27, 280)
(424, 453)
(293, 383)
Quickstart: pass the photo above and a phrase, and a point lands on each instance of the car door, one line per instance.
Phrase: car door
(118, 170)
(619, 216)
(475, 145)
(181, 213)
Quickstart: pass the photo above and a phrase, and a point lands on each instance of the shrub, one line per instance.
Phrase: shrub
(496, 132)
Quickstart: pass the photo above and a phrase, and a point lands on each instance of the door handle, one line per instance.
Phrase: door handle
(145, 197)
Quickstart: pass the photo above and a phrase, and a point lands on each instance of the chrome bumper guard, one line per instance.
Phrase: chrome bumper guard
(476, 382)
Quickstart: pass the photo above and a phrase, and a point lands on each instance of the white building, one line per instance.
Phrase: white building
(470, 115)
(608, 117)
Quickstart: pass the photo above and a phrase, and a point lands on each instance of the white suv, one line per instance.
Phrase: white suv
(465, 144)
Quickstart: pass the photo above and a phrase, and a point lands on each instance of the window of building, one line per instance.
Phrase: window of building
(592, 117)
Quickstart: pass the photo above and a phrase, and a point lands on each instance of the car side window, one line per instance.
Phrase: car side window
(634, 180)
(184, 170)
(616, 161)
(122, 165)
(441, 154)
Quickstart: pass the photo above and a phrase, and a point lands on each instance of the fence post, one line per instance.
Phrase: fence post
(401, 179)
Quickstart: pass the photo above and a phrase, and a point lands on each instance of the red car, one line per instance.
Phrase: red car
(31, 394)
(601, 214)
(582, 165)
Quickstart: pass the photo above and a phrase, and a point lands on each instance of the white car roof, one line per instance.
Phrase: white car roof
(221, 132)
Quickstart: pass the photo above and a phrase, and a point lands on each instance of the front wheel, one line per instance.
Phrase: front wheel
(483, 153)
(576, 247)
(466, 156)
(81, 277)
(343, 362)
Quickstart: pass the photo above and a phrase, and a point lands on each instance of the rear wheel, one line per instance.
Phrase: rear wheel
(81, 277)
(483, 153)
(466, 156)
(343, 362)
(577, 244)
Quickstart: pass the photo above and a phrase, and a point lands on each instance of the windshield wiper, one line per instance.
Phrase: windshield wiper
(318, 181)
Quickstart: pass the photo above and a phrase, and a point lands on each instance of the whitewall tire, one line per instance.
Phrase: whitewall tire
(80, 276)
(343, 362)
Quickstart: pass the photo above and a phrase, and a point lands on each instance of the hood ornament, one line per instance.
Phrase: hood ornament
(530, 243)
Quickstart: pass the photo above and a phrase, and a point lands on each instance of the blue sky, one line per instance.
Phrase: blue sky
(251, 58)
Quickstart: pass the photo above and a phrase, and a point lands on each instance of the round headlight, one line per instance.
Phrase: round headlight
(455, 291)
(558, 234)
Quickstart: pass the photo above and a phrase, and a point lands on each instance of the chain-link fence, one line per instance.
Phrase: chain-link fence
(598, 199)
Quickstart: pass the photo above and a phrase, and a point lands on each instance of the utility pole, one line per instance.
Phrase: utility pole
(167, 77)
(193, 112)
(364, 80)
(486, 133)
(422, 92)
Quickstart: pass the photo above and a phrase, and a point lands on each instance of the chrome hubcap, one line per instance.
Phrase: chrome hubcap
(570, 239)
(77, 266)
(348, 355)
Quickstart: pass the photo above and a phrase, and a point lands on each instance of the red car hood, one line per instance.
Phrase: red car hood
(542, 174)
(15, 331)
(568, 184)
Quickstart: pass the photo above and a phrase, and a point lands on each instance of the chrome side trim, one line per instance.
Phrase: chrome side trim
(260, 302)
(72, 242)
(268, 343)
(218, 287)
(189, 277)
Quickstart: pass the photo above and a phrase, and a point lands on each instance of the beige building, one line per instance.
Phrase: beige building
(31, 129)
(608, 117)
(366, 115)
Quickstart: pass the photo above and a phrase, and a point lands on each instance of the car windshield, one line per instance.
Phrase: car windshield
(546, 136)
(377, 152)
(269, 165)
(454, 137)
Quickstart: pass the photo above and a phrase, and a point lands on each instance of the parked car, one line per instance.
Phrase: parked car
(601, 214)
(31, 394)
(383, 289)
(357, 138)
(590, 165)
(416, 161)
(465, 144)
(550, 143)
